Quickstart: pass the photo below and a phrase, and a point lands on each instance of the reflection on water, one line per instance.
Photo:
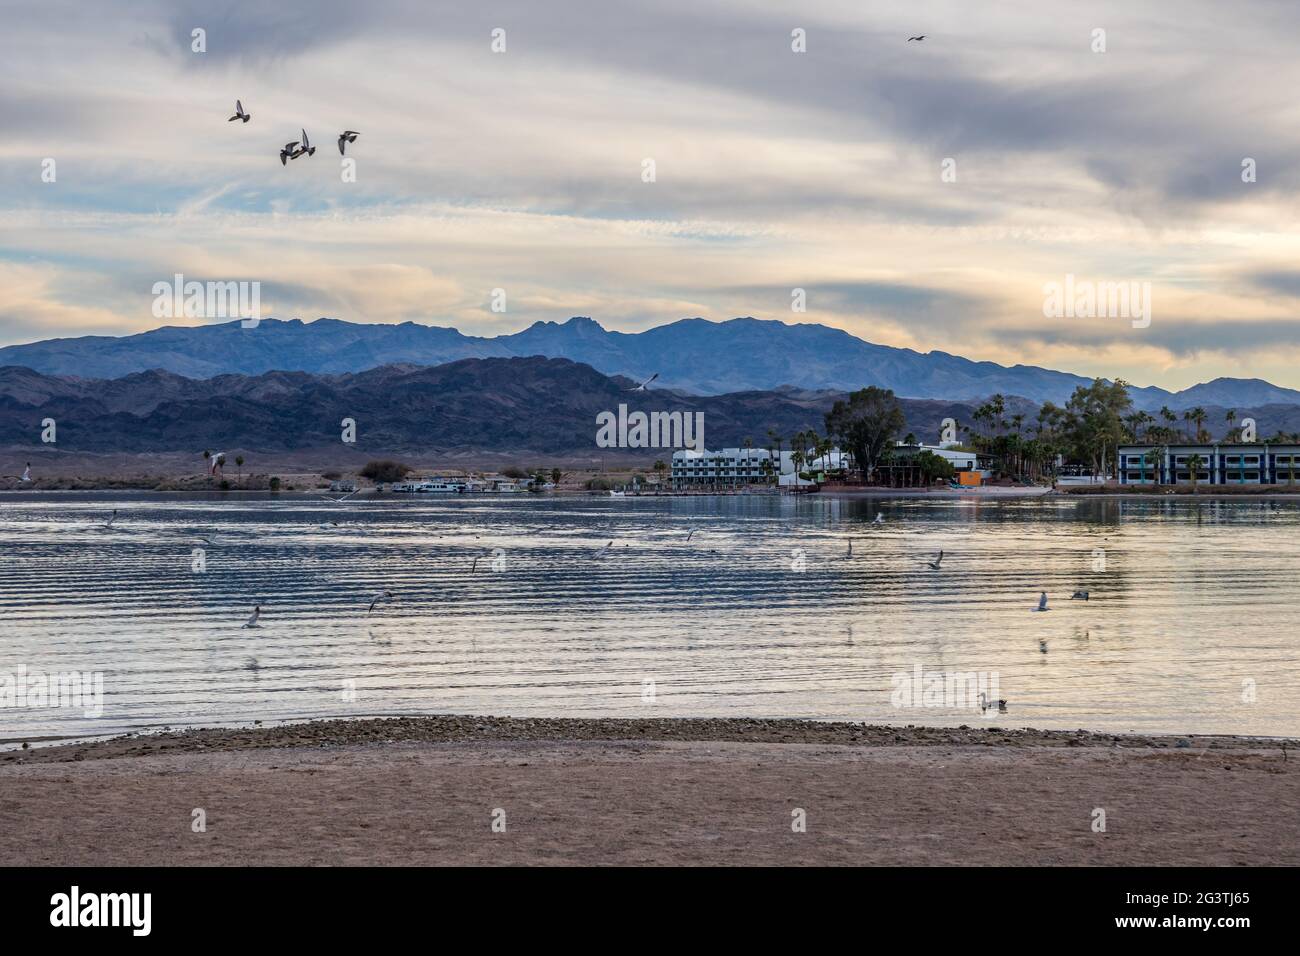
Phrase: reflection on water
(1189, 615)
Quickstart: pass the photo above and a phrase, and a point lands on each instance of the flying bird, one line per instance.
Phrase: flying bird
(252, 619)
(880, 518)
(1079, 596)
(307, 147)
(385, 595)
(1042, 603)
(290, 151)
(338, 500)
(642, 386)
(240, 114)
(111, 519)
(601, 552)
(921, 37)
(347, 136)
(934, 565)
(27, 472)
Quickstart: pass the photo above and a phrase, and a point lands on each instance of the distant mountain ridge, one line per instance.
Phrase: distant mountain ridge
(518, 406)
(694, 355)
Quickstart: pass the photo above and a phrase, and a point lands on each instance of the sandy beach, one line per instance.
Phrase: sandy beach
(414, 791)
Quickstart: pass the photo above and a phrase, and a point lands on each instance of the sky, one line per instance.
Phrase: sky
(774, 170)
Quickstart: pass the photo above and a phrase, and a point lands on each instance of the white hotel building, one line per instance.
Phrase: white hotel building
(737, 467)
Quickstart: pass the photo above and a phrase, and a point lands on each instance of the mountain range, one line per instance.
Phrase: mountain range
(694, 356)
(526, 406)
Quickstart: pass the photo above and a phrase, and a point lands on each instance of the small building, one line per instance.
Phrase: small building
(1253, 463)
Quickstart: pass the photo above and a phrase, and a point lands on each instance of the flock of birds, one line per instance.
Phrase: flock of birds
(299, 147)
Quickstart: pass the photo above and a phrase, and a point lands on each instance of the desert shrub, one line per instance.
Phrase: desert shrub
(385, 470)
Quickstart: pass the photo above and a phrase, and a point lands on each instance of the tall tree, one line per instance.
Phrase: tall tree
(865, 423)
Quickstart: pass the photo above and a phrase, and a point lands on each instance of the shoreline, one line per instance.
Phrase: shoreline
(470, 729)
(429, 791)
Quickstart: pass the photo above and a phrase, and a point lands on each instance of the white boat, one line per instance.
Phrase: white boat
(429, 487)
(618, 494)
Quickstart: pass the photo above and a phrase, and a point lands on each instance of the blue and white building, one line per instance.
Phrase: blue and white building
(1256, 463)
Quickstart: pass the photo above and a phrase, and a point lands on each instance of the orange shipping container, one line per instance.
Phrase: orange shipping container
(968, 477)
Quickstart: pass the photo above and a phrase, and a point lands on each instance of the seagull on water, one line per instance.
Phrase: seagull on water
(1042, 603)
(934, 565)
(240, 114)
(1079, 596)
(642, 386)
(252, 618)
(987, 705)
(1042, 646)
(385, 596)
(347, 136)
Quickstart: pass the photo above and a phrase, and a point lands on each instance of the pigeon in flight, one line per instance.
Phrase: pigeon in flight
(307, 147)
(347, 136)
(290, 151)
(240, 114)
(921, 37)
(252, 620)
(642, 386)
(1079, 596)
(934, 565)
(385, 595)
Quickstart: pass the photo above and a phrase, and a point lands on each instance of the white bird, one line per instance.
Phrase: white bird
(240, 114)
(1079, 596)
(385, 595)
(252, 619)
(691, 533)
(347, 136)
(111, 519)
(338, 500)
(215, 462)
(934, 565)
(987, 705)
(601, 552)
(27, 472)
(880, 518)
(1042, 603)
(642, 386)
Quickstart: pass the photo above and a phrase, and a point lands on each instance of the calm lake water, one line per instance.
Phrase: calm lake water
(1186, 629)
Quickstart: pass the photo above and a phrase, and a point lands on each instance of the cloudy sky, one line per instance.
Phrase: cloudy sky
(522, 170)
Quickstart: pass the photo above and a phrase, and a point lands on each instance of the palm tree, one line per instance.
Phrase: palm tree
(1230, 417)
(207, 455)
(1198, 416)
(1193, 466)
(239, 463)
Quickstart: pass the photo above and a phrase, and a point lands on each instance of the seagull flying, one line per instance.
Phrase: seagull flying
(934, 565)
(921, 37)
(1042, 603)
(880, 518)
(347, 136)
(240, 114)
(27, 472)
(252, 618)
(111, 519)
(642, 386)
(603, 551)
(1079, 596)
(385, 595)
(338, 500)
